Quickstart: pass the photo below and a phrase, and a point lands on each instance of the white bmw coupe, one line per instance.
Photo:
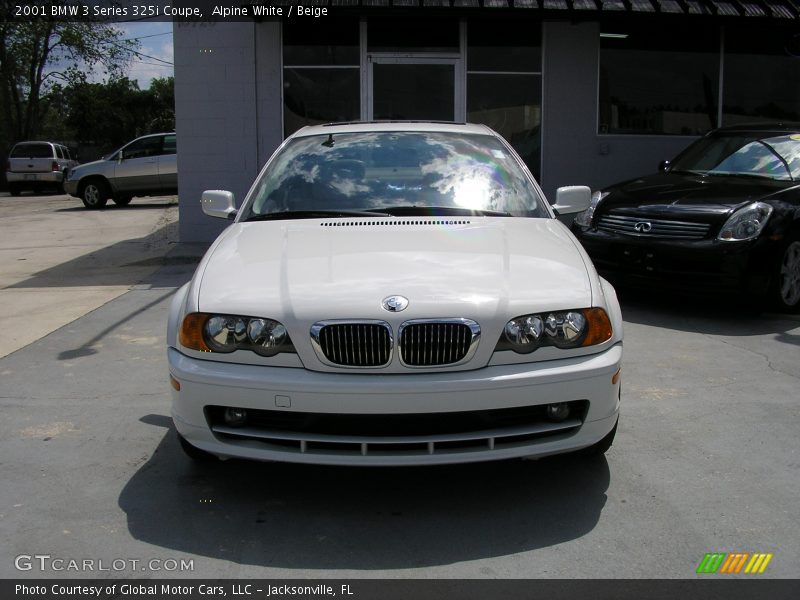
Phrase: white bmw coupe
(394, 294)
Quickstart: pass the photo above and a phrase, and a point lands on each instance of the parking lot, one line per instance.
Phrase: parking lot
(706, 457)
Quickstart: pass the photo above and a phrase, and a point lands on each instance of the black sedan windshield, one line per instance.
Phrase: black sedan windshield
(394, 173)
(769, 156)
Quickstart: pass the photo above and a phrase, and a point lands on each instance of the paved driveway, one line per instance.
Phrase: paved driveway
(706, 459)
(59, 261)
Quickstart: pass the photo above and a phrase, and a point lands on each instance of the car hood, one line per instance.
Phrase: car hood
(302, 271)
(88, 166)
(682, 195)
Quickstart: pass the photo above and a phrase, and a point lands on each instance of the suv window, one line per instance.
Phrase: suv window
(169, 145)
(150, 146)
(32, 151)
(60, 152)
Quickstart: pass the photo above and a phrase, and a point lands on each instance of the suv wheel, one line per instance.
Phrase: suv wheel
(122, 200)
(14, 189)
(94, 194)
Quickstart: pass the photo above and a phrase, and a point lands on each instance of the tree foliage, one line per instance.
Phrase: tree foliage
(110, 114)
(37, 54)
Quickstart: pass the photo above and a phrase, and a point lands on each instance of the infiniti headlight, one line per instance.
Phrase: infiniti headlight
(226, 333)
(563, 329)
(584, 219)
(746, 223)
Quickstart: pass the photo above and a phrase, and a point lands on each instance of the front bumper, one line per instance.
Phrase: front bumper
(585, 380)
(71, 187)
(693, 266)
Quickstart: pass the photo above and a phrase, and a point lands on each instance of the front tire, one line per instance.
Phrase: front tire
(14, 189)
(786, 284)
(94, 194)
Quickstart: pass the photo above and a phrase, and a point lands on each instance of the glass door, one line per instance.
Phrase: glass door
(415, 88)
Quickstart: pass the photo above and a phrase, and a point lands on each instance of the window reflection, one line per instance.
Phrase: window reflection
(654, 82)
(504, 83)
(776, 157)
(370, 171)
(316, 96)
(762, 77)
(321, 73)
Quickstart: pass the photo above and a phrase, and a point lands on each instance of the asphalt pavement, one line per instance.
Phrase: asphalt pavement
(706, 459)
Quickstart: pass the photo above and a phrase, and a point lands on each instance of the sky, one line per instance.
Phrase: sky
(155, 51)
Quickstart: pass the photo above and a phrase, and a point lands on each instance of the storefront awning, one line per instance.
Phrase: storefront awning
(750, 9)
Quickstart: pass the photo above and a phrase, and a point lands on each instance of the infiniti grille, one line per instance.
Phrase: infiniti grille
(660, 228)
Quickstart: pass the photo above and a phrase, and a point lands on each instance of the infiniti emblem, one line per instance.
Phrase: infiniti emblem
(395, 303)
(643, 226)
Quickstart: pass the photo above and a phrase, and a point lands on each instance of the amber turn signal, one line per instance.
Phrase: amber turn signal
(598, 325)
(191, 334)
(176, 385)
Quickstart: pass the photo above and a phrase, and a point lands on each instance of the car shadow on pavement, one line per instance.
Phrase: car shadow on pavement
(314, 517)
(707, 315)
(125, 263)
(132, 206)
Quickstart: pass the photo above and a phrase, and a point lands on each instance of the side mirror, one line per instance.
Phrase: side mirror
(219, 204)
(119, 157)
(663, 166)
(572, 199)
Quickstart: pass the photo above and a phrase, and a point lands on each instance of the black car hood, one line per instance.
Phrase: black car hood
(687, 196)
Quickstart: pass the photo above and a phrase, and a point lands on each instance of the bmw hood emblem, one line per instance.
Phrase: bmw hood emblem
(395, 303)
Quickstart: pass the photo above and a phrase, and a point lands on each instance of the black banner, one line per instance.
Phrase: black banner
(405, 589)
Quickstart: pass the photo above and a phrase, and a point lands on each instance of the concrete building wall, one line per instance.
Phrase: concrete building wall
(573, 152)
(215, 96)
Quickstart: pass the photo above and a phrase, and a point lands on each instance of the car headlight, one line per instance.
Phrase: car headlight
(584, 219)
(746, 223)
(226, 333)
(563, 329)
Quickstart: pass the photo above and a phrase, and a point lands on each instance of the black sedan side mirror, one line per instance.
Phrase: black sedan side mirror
(663, 166)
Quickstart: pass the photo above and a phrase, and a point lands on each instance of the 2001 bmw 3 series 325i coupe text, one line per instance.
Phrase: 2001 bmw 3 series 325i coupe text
(394, 294)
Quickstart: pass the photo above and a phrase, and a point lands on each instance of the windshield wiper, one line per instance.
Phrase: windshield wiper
(749, 175)
(315, 214)
(402, 211)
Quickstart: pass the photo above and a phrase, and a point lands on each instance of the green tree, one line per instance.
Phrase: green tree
(111, 113)
(162, 92)
(36, 54)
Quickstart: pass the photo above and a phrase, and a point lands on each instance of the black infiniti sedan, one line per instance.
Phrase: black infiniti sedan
(723, 216)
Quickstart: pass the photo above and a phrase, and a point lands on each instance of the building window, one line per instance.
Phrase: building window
(504, 84)
(321, 73)
(653, 81)
(761, 80)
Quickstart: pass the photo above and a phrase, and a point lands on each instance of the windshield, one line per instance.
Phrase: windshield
(743, 154)
(394, 173)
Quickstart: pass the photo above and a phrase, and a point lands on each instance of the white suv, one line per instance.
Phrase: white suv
(36, 165)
